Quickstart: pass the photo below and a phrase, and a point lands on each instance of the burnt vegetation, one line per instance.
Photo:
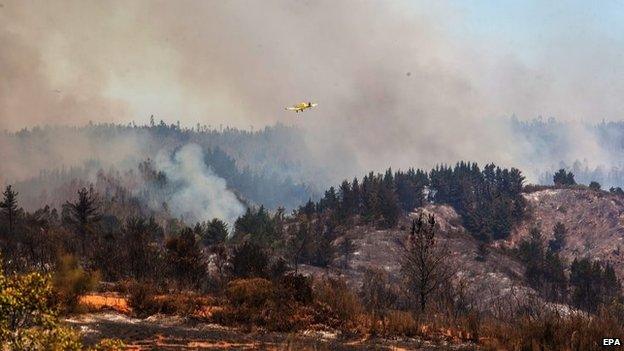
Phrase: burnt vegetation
(252, 268)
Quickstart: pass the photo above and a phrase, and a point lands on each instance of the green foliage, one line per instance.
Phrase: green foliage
(185, 259)
(214, 232)
(249, 260)
(594, 186)
(489, 201)
(346, 248)
(544, 268)
(140, 240)
(70, 281)
(593, 284)
(616, 191)
(29, 319)
(310, 243)
(8, 207)
(85, 210)
(83, 216)
(563, 178)
(25, 302)
(257, 226)
(559, 238)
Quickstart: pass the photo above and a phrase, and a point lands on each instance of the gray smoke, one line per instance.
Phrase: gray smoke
(199, 194)
(395, 86)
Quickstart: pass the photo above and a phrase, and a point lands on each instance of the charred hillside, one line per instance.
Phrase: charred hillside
(452, 254)
(593, 222)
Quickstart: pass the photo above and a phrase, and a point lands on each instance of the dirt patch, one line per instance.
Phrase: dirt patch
(166, 333)
(105, 302)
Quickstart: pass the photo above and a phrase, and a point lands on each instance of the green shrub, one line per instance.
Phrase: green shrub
(70, 281)
(29, 318)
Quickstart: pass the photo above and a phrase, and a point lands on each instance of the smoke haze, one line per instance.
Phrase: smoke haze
(199, 194)
(398, 83)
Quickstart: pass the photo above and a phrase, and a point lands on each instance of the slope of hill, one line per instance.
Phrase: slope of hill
(493, 276)
(594, 221)
(491, 273)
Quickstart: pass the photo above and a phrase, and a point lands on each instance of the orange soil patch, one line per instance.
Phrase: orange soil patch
(115, 302)
(222, 345)
(107, 301)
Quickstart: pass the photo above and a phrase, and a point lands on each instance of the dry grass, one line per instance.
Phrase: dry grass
(105, 302)
(552, 332)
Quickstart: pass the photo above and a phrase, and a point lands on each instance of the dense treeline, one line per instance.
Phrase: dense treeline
(254, 272)
(489, 200)
(255, 164)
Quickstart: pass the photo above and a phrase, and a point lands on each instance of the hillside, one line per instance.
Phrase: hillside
(594, 221)
(593, 218)
(369, 246)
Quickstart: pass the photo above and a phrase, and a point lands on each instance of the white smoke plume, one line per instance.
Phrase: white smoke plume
(199, 195)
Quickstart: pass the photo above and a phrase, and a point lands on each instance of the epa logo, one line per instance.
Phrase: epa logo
(611, 342)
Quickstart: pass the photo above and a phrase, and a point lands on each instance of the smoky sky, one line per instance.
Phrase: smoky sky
(397, 83)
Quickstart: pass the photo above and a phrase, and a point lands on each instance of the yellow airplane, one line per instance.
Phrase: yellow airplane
(300, 107)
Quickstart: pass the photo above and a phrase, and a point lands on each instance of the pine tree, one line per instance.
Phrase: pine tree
(83, 214)
(532, 255)
(9, 207)
(346, 248)
(357, 196)
(249, 260)
(184, 258)
(563, 178)
(594, 186)
(559, 238)
(347, 202)
(554, 277)
(216, 232)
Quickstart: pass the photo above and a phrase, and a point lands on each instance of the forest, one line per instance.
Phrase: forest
(106, 233)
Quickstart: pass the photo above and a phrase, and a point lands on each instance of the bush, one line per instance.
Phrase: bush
(142, 299)
(70, 281)
(275, 306)
(249, 260)
(29, 320)
(551, 331)
(563, 178)
(145, 301)
(594, 186)
(246, 300)
(400, 323)
(296, 287)
(376, 293)
(341, 301)
(254, 292)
